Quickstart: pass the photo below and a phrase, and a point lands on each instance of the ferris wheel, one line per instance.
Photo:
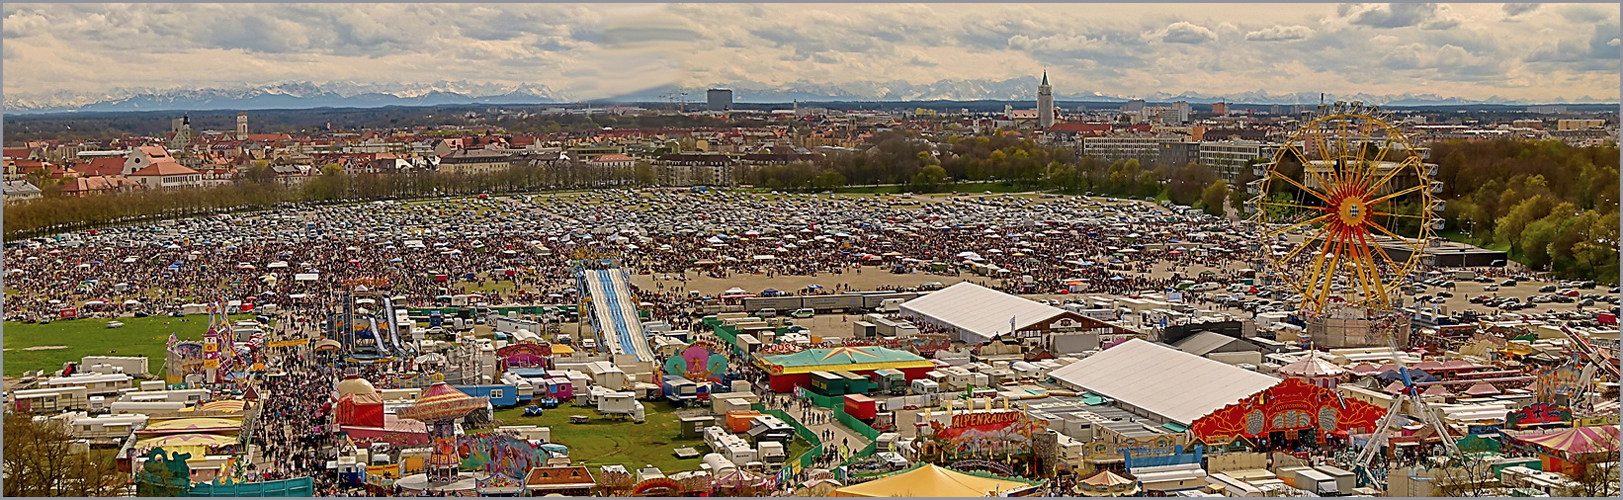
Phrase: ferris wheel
(1345, 209)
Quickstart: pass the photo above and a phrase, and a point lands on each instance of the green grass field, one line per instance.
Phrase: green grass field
(91, 337)
(602, 441)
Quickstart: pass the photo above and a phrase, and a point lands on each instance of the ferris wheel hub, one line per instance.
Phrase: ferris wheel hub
(1353, 211)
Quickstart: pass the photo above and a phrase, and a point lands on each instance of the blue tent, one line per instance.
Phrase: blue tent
(1417, 376)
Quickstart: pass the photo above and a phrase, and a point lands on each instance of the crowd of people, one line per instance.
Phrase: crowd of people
(519, 251)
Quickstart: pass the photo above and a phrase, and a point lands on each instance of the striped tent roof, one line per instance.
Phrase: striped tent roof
(229, 406)
(193, 426)
(1575, 441)
(1482, 389)
(844, 358)
(184, 441)
(441, 402)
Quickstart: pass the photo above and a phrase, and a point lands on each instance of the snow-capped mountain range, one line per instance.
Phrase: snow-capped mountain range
(285, 95)
(295, 95)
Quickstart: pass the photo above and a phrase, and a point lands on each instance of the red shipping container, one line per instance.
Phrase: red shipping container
(860, 406)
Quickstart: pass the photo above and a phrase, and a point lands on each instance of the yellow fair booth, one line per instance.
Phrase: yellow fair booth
(932, 481)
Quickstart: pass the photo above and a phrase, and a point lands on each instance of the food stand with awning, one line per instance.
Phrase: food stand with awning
(788, 371)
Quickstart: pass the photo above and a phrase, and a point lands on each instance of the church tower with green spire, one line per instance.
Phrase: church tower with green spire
(1045, 103)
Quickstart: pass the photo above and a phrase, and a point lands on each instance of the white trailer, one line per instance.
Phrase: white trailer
(718, 465)
(925, 386)
(51, 400)
(621, 404)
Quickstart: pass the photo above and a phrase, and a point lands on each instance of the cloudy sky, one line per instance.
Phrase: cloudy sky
(1474, 51)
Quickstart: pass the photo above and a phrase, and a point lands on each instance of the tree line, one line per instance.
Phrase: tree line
(260, 188)
(1550, 205)
(923, 166)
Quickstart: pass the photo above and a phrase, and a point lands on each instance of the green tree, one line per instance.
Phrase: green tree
(1509, 229)
(930, 179)
(1188, 183)
(829, 179)
(1212, 198)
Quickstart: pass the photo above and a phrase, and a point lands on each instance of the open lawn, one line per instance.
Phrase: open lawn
(604, 441)
(91, 337)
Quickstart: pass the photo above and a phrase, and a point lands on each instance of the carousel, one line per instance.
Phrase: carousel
(439, 407)
(1108, 484)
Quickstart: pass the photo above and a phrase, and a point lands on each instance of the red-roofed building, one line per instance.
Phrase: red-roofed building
(21, 168)
(166, 174)
(144, 156)
(110, 165)
(81, 186)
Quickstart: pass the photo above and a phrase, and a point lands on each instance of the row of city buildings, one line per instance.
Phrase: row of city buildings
(1217, 136)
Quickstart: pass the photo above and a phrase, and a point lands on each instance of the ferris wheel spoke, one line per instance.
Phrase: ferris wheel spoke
(1396, 194)
(1313, 274)
(1373, 271)
(1305, 164)
(1293, 227)
(1364, 266)
(1341, 151)
(1330, 271)
(1324, 155)
(1411, 216)
(1398, 269)
(1380, 157)
(1307, 243)
(1386, 231)
(1299, 185)
(1291, 205)
(1401, 166)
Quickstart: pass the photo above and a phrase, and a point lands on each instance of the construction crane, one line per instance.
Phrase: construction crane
(1428, 415)
(678, 99)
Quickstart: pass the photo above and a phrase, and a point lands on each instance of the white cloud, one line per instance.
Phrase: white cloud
(1185, 32)
(1517, 9)
(1397, 15)
(25, 23)
(1279, 33)
(590, 50)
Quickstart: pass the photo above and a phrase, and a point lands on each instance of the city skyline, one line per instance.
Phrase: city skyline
(1477, 52)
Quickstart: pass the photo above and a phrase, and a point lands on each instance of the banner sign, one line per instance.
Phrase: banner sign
(975, 419)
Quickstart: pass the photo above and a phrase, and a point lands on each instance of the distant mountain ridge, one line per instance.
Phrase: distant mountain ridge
(286, 95)
(296, 95)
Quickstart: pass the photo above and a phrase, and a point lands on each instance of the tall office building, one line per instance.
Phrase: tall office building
(1180, 111)
(1045, 103)
(719, 99)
